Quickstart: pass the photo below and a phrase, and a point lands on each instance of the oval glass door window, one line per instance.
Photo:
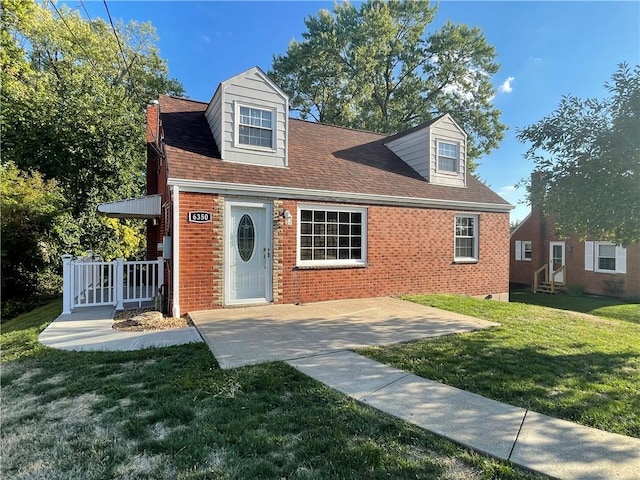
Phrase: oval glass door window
(246, 237)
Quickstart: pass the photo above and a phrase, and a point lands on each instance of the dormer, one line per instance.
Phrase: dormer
(248, 116)
(436, 149)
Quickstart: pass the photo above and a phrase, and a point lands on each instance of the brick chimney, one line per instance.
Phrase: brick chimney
(154, 159)
(536, 188)
(153, 146)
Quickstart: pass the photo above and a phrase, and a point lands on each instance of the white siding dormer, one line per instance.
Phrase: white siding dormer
(448, 153)
(437, 150)
(248, 116)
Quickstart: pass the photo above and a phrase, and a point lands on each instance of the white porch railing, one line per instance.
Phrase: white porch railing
(88, 282)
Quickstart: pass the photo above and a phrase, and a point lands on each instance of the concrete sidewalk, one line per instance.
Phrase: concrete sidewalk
(537, 442)
(90, 329)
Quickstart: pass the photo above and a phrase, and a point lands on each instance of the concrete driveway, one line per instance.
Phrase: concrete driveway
(250, 335)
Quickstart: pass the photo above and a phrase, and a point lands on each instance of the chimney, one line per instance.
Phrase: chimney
(154, 148)
(153, 116)
(537, 188)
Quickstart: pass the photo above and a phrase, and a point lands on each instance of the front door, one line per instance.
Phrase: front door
(556, 260)
(248, 263)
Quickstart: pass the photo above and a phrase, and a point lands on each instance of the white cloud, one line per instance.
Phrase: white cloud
(205, 38)
(506, 87)
(508, 188)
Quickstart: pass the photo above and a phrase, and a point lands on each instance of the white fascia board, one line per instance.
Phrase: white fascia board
(204, 186)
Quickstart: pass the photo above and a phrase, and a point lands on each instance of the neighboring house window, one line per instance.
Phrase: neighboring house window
(255, 127)
(523, 250)
(332, 236)
(605, 257)
(466, 238)
(448, 157)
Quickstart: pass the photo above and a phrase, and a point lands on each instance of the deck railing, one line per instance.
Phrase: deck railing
(549, 280)
(88, 281)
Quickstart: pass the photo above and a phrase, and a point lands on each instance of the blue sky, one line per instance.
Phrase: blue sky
(546, 50)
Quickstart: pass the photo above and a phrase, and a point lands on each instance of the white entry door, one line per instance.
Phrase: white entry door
(248, 263)
(556, 260)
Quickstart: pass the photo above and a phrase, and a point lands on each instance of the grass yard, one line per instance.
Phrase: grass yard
(172, 413)
(600, 306)
(564, 364)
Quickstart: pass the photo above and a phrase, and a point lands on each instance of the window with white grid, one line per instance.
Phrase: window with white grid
(466, 238)
(448, 157)
(331, 236)
(255, 127)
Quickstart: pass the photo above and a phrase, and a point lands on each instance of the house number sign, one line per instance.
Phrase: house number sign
(199, 217)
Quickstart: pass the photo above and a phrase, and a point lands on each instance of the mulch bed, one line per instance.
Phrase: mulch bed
(139, 320)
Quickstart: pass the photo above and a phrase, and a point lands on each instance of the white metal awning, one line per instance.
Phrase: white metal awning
(143, 207)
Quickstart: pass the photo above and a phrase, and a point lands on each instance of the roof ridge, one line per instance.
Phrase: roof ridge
(175, 97)
(351, 129)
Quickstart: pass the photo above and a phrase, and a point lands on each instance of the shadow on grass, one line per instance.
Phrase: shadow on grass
(171, 412)
(599, 306)
(594, 389)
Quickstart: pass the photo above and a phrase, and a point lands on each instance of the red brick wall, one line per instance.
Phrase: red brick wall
(410, 250)
(598, 283)
(154, 233)
(201, 273)
(521, 271)
(541, 231)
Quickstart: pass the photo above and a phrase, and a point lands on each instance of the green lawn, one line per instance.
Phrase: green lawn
(564, 364)
(172, 413)
(600, 306)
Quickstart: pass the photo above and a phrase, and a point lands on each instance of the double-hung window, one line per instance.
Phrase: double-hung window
(605, 257)
(255, 127)
(466, 238)
(448, 157)
(332, 236)
(523, 250)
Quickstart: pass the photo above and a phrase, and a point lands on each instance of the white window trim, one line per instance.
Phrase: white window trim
(457, 164)
(336, 262)
(236, 127)
(520, 250)
(620, 257)
(476, 236)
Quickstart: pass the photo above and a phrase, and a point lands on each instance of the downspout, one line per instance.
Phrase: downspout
(175, 245)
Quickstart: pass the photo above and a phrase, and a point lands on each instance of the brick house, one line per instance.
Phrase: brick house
(598, 268)
(258, 207)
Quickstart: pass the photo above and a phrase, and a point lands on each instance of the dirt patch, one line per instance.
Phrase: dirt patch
(139, 320)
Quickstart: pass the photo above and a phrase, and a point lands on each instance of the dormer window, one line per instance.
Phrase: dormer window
(255, 127)
(448, 157)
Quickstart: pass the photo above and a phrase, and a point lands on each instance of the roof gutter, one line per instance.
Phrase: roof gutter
(269, 191)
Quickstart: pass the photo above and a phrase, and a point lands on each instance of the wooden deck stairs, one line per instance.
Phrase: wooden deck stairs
(547, 287)
(543, 282)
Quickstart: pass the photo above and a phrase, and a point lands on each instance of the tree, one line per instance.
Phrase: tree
(375, 68)
(587, 161)
(73, 97)
(31, 213)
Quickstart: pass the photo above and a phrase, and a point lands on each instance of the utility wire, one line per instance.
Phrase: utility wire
(133, 85)
(85, 10)
(64, 20)
(124, 58)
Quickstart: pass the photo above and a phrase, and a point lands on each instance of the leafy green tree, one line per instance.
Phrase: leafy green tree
(376, 68)
(31, 212)
(73, 97)
(587, 159)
